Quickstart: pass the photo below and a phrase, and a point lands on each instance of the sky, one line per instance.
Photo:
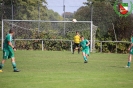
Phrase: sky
(70, 5)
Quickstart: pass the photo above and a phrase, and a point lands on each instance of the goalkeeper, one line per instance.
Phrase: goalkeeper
(8, 51)
(76, 42)
(85, 48)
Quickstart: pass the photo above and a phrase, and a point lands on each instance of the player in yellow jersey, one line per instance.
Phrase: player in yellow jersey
(76, 42)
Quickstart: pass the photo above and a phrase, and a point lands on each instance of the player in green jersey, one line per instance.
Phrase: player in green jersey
(85, 48)
(130, 49)
(8, 51)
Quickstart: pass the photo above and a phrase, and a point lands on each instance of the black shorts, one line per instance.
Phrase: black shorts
(76, 45)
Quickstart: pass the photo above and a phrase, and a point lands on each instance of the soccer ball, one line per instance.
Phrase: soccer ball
(74, 20)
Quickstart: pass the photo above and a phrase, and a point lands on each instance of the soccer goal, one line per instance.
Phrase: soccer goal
(40, 30)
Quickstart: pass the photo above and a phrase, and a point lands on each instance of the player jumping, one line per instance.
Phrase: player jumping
(76, 42)
(85, 48)
(8, 51)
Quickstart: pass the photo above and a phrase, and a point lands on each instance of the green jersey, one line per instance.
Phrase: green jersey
(83, 44)
(8, 38)
(131, 50)
(132, 40)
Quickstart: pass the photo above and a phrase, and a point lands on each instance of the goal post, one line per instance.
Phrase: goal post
(57, 27)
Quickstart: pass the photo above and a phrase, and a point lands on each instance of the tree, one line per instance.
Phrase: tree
(53, 16)
(123, 27)
(24, 9)
(83, 13)
(102, 15)
(68, 15)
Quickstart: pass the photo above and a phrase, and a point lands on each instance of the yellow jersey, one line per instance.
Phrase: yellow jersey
(77, 39)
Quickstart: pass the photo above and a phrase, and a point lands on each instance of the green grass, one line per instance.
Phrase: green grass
(53, 69)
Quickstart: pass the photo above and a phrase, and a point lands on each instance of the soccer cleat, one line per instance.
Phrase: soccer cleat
(85, 61)
(1, 71)
(127, 66)
(16, 70)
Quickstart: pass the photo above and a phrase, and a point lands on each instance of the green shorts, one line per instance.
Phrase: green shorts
(131, 51)
(86, 51)
(8, 54)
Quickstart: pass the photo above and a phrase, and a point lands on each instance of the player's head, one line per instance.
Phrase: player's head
(77, 33)
(11, 31)
(82, 37)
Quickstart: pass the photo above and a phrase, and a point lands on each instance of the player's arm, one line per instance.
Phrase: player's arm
(10, 43)
(88, 43)
(131, 45)
(79, 39)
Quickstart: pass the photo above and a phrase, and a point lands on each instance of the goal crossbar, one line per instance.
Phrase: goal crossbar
(43, 21)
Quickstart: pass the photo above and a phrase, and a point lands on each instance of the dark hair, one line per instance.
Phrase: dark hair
(81, 36)
(76, 31)
(11, 30)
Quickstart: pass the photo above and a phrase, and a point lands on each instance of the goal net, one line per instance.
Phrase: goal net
(49, 35)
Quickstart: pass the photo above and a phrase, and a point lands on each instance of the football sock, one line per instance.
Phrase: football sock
(1, 66)
(14, 65)
(128, 64)
(85, 59)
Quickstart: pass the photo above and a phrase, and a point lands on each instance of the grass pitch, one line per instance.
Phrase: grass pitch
(56, 69)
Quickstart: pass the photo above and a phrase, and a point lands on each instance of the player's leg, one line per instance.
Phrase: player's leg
(11, 55)
(5, 56)
(74, 46)
(78, 45)
(2, 65)
(14, 64)
(84, 56)
(129, 60)
(87, 53)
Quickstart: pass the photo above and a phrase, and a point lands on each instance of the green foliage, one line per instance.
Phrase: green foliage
(123, 27)
(83, 13)
(110, 24)
(68, 15)
(53, 16)
(40, 37)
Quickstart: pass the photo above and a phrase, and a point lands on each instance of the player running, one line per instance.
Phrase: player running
(8, 51)
(130, 49)
(85, 48)
(76, 42)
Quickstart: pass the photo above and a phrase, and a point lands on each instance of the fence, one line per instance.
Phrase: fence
(67, 45)
(115, 46)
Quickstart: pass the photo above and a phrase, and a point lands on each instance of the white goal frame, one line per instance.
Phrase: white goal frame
(2, 33)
